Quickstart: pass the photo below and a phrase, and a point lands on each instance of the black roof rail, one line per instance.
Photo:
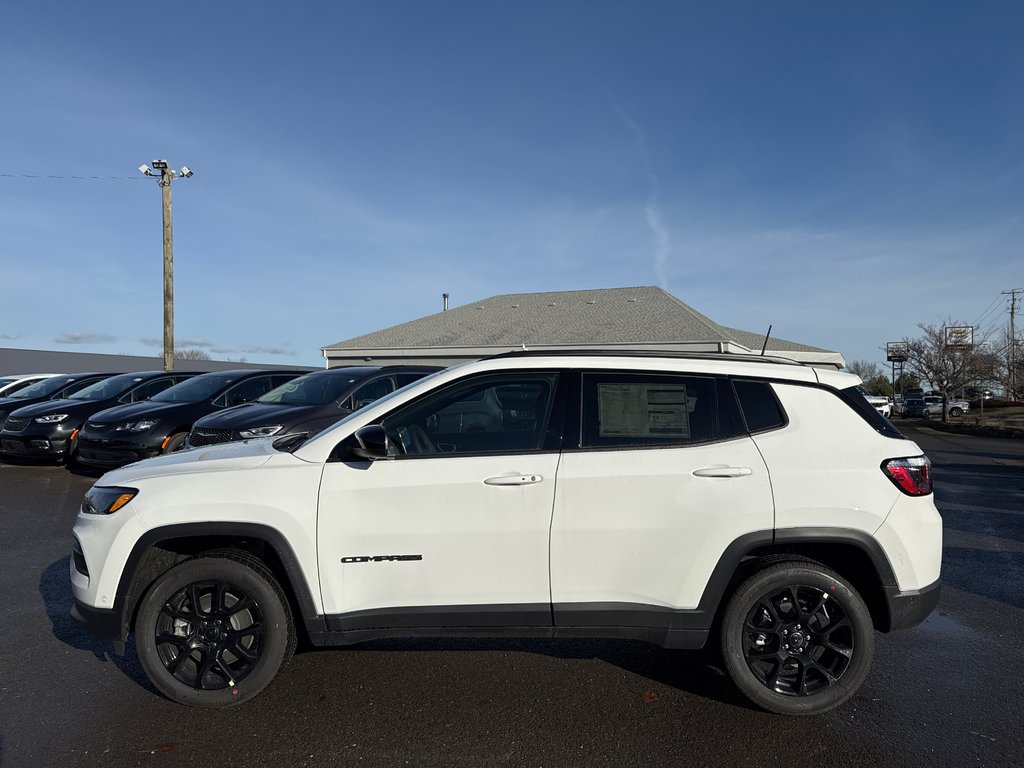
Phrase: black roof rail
(601, 352)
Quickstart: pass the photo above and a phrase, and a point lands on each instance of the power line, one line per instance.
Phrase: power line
(977, 322)
(60, 178)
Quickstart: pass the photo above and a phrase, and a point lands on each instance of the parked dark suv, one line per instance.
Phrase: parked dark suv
(307, 404)
(48, 429)
(138, 431)
(915, 406)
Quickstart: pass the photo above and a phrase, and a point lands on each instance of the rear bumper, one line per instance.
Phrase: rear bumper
(908, 609)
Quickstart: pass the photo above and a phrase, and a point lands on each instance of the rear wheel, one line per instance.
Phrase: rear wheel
(796, 639)
(214, 630)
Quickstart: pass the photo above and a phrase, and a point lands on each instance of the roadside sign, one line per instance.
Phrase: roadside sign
(896, 352)
(959, 336)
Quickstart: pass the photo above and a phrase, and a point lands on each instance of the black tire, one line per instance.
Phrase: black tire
(956, 412)
(797, 639)
(175, 442)
(197, 645)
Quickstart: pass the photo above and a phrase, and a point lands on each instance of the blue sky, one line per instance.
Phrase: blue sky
(842, 171)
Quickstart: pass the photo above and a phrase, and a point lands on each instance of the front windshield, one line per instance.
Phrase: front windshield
(106, 389)
(197, 389)
(313, 389)
(43, 388)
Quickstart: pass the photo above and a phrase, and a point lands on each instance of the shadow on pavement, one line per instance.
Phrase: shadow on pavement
(55, 590)
(700, 673)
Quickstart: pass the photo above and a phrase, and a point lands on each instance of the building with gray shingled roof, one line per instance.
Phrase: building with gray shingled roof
(641, 318)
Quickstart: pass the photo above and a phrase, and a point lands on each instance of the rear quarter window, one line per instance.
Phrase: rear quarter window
(854, 397)
(761, 408)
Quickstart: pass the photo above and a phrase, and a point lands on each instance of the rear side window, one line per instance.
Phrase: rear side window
(854, 397)
(761, 408)
(639, 410)
(147, 390)
(248, 390)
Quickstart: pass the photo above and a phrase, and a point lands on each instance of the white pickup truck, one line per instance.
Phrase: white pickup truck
(880, 403)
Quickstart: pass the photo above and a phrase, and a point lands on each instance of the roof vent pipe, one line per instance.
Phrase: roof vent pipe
(445, 297)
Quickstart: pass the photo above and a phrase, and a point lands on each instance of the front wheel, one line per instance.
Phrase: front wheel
(214, 630)
(956, 412)
(175, 442)
(796, 639)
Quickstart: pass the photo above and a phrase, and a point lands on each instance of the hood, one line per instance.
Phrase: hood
(256, 415)
(74, 407)
(134, 411)
(245, 454)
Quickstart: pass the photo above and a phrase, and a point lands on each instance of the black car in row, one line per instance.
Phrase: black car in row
(52, 388)
(127, 433)
(307, 404)
(50, 413)
(106, 420)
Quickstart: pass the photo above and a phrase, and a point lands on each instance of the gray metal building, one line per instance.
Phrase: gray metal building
(44, 361)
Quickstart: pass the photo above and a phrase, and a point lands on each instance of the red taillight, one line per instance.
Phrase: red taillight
(913, 476)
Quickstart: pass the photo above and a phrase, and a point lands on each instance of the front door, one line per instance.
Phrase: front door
(452, 530)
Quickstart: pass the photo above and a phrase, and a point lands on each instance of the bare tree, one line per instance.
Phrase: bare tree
(864, 369)
(191, 354)
(874, 378)
(948, 367)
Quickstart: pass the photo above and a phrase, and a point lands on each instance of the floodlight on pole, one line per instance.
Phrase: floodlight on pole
(165, 175)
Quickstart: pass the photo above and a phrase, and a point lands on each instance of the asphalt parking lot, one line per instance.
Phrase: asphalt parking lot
(944, 694)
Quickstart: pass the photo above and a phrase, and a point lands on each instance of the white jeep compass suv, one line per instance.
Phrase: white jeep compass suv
(665, 499)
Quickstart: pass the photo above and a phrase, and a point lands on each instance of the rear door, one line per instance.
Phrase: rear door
(663, 481)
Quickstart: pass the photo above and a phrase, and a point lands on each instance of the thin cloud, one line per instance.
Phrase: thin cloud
(10, 336)
(652, 209)
(84, 338)
(200, 342)
(267, 351)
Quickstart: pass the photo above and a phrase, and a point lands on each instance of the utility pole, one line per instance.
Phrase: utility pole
(165, 175)
(1012, 357)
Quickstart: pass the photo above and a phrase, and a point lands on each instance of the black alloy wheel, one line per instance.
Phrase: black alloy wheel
(214, 630)
(796, 639)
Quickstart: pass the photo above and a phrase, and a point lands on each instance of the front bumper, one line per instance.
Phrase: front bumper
(112, 453)
(101, 623)
(34, 444)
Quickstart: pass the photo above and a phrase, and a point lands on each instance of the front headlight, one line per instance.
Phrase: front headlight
(137, 426)
(104, 501)
(51, 418)
(260, 431)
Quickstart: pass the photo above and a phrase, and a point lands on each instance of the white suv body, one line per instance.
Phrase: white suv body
(620, 496)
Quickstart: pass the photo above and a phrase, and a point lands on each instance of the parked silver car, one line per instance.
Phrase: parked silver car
(954, 408)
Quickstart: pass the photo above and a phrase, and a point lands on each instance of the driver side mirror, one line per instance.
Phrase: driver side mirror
(370, 442)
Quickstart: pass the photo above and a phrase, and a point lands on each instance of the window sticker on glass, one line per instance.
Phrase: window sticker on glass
(635, 410)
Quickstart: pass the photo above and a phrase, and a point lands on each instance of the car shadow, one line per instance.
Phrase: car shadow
(83, 471)
(55, 591)
(700, 673)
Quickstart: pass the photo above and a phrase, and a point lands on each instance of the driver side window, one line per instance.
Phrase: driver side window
(509, 413)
